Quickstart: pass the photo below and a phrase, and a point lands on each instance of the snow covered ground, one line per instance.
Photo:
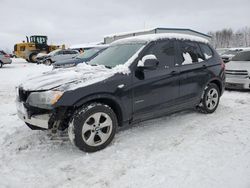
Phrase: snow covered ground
(186, 149)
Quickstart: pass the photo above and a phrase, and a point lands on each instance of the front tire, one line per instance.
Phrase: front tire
(93, 127)
(48, 62)
(32, 57)
(1, 64)
(210, 99)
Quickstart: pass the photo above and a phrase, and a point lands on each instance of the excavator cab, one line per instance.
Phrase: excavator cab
(40, 42)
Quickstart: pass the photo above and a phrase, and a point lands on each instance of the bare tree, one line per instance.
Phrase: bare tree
(226, 38)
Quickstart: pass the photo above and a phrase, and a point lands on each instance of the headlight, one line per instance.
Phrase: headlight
(44, 99)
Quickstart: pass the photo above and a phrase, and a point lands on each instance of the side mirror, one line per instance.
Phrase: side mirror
(149, 62)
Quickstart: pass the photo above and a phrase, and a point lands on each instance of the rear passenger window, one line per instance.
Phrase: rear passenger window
(164, 52)
(190, 53)
(206, 50)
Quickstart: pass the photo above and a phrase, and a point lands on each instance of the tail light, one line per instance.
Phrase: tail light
(7, 55)
(223, 66)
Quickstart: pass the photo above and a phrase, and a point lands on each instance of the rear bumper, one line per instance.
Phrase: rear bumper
(237, 83)
(41, 120)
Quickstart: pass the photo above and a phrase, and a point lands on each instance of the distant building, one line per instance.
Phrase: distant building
(85, 45)
(111, 38)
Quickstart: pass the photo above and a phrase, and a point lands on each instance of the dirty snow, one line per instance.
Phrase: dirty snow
(186, 149)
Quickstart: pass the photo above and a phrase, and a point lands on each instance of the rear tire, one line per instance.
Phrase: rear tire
(93, 127)
(210, 99)
(1, 64)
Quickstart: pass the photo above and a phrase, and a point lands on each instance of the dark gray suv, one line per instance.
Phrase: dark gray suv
(133, 80)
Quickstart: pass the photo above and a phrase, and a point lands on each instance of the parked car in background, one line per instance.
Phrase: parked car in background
(86, 56)
(222, 50)
(4, 58)
(133, 80)
(228, 55)
(57, 55)
(238, 71)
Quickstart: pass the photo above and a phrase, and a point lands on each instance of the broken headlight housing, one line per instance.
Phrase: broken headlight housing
(45, 99)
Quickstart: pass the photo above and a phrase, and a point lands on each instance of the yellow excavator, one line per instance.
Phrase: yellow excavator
(32, 46)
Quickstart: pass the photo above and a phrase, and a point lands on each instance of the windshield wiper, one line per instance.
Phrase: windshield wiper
(108, 67)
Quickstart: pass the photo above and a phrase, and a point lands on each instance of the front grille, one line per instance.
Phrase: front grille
(23, 95)
(237, 73)
(234, 86)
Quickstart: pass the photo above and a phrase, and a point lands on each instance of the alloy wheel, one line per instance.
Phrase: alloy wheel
(97, 129)
(212, 99)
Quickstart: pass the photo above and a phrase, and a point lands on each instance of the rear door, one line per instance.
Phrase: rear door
(193, 71)
(155, 90)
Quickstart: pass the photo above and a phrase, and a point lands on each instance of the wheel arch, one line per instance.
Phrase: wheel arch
(109, 100)
(218, 83)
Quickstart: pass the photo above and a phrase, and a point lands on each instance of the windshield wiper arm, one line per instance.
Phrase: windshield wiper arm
(109, 67)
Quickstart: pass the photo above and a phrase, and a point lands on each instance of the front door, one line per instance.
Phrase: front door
(155, 90)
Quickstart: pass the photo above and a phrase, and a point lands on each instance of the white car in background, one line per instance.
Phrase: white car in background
(231, 52)
(4, 59)
(57, 55)
(238, 71)
(228, 55)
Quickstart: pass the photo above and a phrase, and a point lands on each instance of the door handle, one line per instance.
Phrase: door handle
(204, 66)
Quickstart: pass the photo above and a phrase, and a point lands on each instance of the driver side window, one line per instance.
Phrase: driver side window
(164, 51)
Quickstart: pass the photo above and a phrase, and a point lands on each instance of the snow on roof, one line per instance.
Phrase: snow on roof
(127, 33)
(88, 45)
(161, 36)
(155, 28)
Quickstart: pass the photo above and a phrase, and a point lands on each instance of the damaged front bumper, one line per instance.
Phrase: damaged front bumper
(39, 120)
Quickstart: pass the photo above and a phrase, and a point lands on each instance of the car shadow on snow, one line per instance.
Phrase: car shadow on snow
(239, 90)
(25, 140)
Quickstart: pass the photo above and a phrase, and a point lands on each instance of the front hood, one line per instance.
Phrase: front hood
(67, 78)
(238, 65)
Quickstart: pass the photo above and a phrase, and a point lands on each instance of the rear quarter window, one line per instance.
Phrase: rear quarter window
(206, 50)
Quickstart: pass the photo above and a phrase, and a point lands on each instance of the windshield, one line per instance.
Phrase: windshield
(243, 56)
(116, 55)
(53, 52)
(38, 39)
(88, 53)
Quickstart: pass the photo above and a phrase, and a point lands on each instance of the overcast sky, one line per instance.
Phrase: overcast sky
(81, 21)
